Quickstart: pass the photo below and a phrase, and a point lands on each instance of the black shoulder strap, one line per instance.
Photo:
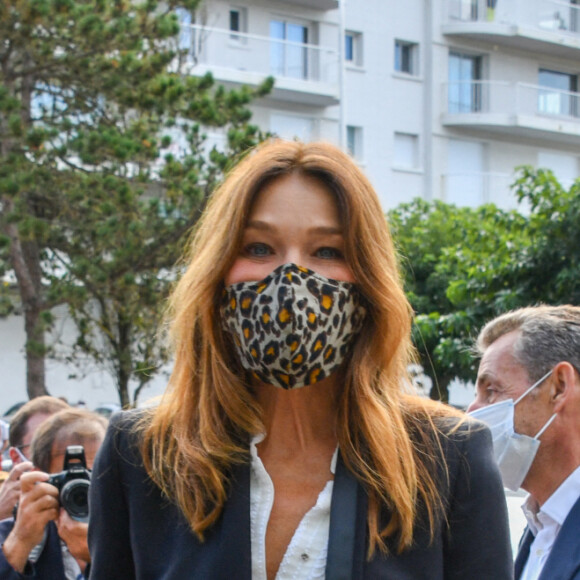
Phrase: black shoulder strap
(343, 515)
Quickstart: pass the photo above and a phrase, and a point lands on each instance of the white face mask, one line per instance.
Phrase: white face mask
(513, 452)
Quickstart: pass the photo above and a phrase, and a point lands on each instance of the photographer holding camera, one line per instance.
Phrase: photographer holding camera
(44, 540)
(22, 428)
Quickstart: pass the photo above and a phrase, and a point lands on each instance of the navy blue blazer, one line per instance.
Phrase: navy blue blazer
(48, 566)
(563, 563)
(137, 534)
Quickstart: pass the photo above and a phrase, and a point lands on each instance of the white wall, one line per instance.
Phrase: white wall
(95, 388)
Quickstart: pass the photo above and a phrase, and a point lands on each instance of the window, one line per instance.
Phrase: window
(353, 48)
(238, 23)
(406, 151)
(288, 50)
(406, 57)
(561, 15)
(466, 178)
(463, 9)
(349, 47)
(558, 93)
(185, 30)
(575, 15)
(292, 127)
(354, 142)
(465, 86)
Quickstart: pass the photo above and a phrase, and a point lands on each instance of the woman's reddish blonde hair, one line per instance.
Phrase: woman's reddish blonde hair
(208, 414)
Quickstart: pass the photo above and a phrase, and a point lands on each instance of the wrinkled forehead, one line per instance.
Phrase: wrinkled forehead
(90, 443)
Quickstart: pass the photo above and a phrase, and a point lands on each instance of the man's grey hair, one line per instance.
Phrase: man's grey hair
(548, 335)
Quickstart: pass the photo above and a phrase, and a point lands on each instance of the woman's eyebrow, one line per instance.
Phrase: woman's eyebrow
(327, 230)
(259, 225)
(266, 226)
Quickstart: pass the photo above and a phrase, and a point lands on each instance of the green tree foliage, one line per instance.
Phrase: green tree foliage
(464, 266)
(549, 270)
(537, 255)
(456, 264)
(104, 168)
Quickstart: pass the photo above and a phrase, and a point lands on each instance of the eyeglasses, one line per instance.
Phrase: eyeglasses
(21, 455)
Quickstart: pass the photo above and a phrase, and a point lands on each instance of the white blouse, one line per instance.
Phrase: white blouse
(305, 557)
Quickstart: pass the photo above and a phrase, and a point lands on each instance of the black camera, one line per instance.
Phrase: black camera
(73, 483)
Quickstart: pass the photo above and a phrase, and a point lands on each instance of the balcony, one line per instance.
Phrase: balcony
(550, 27)
(315, 4)
(514, 109)
(304, 73)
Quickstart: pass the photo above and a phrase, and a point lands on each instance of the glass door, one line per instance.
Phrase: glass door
(556, 95)
(288, 50)
(465, 93)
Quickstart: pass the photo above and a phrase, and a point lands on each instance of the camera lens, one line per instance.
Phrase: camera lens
(74, 498)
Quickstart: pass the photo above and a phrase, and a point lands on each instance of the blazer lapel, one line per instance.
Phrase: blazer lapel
(235, 543)
(564, 559)
(343, 518)
(523, 552)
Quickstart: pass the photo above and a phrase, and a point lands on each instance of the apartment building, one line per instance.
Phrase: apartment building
(434, 98)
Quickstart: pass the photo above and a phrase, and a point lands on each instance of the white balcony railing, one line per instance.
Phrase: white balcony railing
(218, 48)
(505, 98)
(556, 15)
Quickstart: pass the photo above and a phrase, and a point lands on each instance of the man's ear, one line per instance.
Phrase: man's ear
(16, 459)
(564, 380)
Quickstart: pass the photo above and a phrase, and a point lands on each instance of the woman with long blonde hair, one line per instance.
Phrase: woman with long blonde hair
(288, 443)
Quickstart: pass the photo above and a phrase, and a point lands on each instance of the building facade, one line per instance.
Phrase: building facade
(440, 99)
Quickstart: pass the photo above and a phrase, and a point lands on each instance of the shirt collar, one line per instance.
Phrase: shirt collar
(557, 506)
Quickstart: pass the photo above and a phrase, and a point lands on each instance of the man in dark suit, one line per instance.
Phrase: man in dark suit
(528, 391)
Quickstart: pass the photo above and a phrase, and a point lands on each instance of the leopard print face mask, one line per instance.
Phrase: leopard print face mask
(294, 327)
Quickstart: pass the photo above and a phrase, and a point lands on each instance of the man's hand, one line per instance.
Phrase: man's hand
(38, 504)
(10, 489)
(74, 535)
